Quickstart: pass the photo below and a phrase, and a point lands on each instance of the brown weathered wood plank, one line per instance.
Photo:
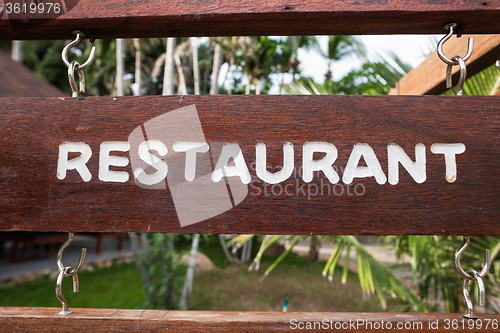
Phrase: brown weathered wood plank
(34, 197)
(20, 319)
(156, 18)
(429, 77)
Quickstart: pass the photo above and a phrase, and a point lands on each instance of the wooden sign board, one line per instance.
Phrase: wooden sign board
(179, 18)
(251, 164)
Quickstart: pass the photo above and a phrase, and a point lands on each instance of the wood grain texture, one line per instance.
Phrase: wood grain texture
(183, 18)
(18, 319)
(429, 77)
(20, 81)
(34, 199)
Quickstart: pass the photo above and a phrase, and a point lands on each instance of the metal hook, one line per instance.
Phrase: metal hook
(461, 79)
(73, 43)
(72, 66)
(458, 255)
(71, 76)
(60, 297)
(440, 53)
(482, 292)
(67, 271)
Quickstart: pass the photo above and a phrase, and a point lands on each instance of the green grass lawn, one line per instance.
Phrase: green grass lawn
(237, 289)
(227, 288)
(119, 286)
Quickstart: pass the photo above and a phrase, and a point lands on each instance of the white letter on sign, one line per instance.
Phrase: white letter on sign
(222, 169)
(449, 150)
(396, 155)
(161, 167)
(191, 148)
(105, 161)
(372, 168)
(323, 164)
(77, 163)
(261, 161)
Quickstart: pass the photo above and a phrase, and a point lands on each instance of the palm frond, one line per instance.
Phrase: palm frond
(483, 83)
(374, 277)
(268, 241)
(281, 257)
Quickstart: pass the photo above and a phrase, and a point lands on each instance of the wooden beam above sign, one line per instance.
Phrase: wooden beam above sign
(245, 164)
(156, 18)
(429, 77)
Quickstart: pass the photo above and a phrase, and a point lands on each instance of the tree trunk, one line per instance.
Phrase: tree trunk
(188, 284)
(257, 86)
(314, 249)
(145, 276)
(246, 251)
(17, 50)
(214, 87)
(170, 294)
(137, 46)
(225, 249)
(196, 70)
(168, 77)
(119, 67)
(180, 72)
(230, 75)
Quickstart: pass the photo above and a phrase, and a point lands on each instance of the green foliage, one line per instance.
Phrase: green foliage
(118, 287)
(161, 271)
(373, 78)
(434, 270)
(483, 83)
(256, 58)
(341, 46)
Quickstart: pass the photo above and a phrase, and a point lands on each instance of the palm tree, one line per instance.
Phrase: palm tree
(168, 76)
(188, 284)
(258, 59)
(196, 70)
(182, 49)
(294, 43)
(137, 76)
(17, 50)
(340, 47)
(119, 66)
(230, 47)
(214, 87)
